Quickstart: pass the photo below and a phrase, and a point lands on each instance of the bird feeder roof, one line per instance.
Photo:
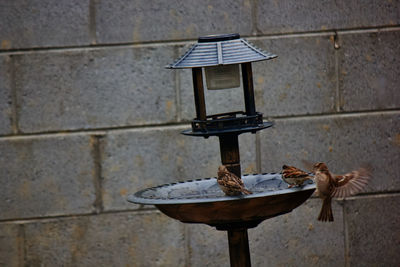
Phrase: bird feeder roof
(218, 50)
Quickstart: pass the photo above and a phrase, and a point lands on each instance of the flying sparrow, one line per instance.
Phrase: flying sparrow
(230, 183)
(294, 176)
(329, 186)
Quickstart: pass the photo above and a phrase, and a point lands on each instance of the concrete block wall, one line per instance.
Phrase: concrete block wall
(88, 115)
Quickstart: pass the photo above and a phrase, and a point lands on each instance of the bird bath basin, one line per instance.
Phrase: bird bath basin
(202, 201)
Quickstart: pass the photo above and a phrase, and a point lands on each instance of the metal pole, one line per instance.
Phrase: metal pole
(248, 89)
(199, 94)
(229, 146)
(239, 252)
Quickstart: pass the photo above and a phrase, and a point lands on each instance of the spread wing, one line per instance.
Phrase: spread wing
(351, 183)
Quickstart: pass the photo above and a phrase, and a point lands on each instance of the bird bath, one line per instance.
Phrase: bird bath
(201, 200)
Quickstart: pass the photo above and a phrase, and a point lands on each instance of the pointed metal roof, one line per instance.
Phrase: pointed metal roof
(220, 50)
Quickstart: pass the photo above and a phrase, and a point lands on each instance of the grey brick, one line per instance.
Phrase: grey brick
(45, 176)
(288, 16)
(11, 245)
(207, 246)
(300, 81)
(122, 239)
(298, 239)
(5, 95)
(138, 159)
(369, 71)
(95, 88)
(44, 23)
(143, 21)
(373, 230)
(343, 142)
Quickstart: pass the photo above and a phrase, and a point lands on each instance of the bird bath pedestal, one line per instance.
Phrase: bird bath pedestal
(201, 200)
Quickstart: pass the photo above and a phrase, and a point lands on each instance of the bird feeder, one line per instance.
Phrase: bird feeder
(221, 58)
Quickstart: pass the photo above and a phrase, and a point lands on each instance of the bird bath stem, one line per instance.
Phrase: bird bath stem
(239, 252)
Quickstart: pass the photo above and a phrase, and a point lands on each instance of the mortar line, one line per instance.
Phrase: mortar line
(92, 22)
(188, 251)
(258, 152)
(345, 236)
(191, 40)
(178, 100)
(96, 131)
(367, 195)
(14, 98)
(97, 173)
(254, 21)
(22, 250)
(338, 93)
(341, 114)
(76, 215)
(325, 32)
(392, 111)
(388, 28)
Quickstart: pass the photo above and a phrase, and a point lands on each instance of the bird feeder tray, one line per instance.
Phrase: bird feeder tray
(202, 201)
(232, 122)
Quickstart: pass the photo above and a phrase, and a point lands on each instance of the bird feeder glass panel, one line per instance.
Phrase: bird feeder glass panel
(222, 77)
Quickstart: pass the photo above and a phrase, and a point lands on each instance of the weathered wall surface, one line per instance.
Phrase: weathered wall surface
(88, 114)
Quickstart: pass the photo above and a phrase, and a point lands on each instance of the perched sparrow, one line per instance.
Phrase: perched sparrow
(329, 186)
(230, 183)
(294, 176)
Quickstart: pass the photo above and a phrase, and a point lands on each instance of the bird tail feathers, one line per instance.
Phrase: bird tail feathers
(247, 192)
(326, 211)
